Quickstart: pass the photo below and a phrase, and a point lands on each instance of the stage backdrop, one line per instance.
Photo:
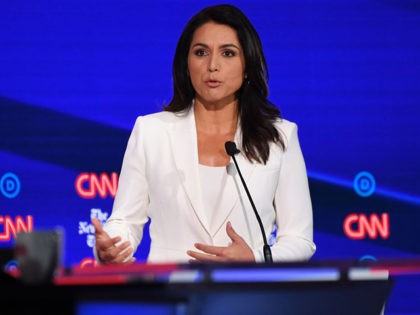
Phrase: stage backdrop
(74, 75)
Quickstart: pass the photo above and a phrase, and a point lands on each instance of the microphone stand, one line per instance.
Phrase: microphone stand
(231, 149)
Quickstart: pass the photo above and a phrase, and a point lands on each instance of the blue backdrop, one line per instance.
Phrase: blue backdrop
(74, 75)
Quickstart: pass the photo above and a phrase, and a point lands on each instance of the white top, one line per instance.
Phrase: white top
(213, 180)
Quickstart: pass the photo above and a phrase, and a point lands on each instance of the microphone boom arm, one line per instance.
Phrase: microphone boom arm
(232, 150)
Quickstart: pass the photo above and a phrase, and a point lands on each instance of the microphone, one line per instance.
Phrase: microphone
(231, 150)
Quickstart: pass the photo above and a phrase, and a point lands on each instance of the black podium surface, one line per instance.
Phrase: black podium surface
(205, 289)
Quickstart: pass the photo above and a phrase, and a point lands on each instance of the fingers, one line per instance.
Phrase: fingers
(209, 253)
(203, 257)
(130, 261)
(123, 256)
(109, 251)
(102, 239)
(117, 253)
(232, 234)
(237, 251)
(97, 225)
(110, 244)
(213, 250)
(216, 253)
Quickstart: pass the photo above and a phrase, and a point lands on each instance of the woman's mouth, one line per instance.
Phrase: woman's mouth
(213, 83)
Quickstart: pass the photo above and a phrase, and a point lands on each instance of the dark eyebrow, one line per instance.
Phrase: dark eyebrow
(222, 46)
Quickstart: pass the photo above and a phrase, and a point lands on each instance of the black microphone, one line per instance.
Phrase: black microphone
(231, 150)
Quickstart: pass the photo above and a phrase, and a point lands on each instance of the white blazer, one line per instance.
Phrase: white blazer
(159, 180)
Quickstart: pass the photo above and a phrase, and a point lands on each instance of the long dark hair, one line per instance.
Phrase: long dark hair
(257, 114)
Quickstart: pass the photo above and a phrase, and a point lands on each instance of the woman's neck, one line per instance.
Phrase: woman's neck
(216, 119)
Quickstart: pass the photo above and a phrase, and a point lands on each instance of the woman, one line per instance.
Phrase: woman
(177, 173)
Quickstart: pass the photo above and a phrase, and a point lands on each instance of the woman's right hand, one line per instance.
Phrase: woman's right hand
(107, 249)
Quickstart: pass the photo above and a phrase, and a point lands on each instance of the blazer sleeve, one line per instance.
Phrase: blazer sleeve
(293, 206)
(129, 212)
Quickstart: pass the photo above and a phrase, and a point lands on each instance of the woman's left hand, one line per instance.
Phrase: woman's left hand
(238, 251)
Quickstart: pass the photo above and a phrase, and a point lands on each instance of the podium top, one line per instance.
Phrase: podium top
(339, 270)
(316, 287)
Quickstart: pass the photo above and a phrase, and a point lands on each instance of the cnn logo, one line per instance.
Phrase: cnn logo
(360, 226)
(13, 226)
(91, 185)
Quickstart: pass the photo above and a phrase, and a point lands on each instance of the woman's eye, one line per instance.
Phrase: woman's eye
(229, 53)
(200, 52)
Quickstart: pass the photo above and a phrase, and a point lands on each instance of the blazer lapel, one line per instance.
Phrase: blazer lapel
(185, 153)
